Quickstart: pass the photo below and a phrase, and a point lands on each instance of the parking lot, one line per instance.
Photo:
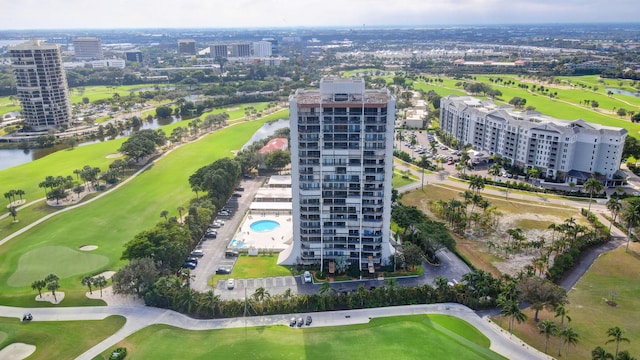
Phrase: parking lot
(214, 248)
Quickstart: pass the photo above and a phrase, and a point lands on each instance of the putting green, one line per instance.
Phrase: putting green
(60, 260)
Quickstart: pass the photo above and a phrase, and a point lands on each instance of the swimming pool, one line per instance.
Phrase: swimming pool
(264, 225)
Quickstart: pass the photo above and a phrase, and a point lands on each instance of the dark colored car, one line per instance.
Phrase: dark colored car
(190, 265)
(192, 259)
(309, 320)
(223, 270)
(231, 253)
(197, 253)
(237, 195)
(292, 322)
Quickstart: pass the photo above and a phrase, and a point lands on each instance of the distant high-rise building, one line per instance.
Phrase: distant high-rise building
(240, 50)
(219, 50)
(133, 56)
(87, 48)
(274, 45)
(341, 159)
(261, 49)
(41, 84)
(186, 47)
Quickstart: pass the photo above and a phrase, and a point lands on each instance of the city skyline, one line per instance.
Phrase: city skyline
(76, 14)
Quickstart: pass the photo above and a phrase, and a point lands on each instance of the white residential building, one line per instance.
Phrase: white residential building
(261, 49)
(41, 84)
(342, 158)
(571, 150)
(87, 48)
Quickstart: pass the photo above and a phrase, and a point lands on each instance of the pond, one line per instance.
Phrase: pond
(624, 92)
(267, 130)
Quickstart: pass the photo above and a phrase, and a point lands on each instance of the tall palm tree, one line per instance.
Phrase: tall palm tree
(180, 210)
(547, 328)
(570, 338)
(631, 214)
(615, 206)
(164, 214)
(593, 186)
(511, 310)
(616, 335)
(563, 313)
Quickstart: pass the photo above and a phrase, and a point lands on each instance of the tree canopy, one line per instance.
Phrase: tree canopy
(143, 143)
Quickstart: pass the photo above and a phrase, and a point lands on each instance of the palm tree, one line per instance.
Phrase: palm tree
(101, 282)
(495, 170)
(476, 183)
(88, 282)
(39, 285)
(325, 288)
(164, 214)
(547, 328)
(593, 186)
(570, 338)
(260, 294)
(180, 210)
(13, 212)
(20, 192)
(210, 302)
(601, 354)
(631, 214)
(616, 335)
(562, 312)
(511, 309)
(615, 206)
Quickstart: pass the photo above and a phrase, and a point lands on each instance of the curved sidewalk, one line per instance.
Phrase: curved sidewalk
(140, 317)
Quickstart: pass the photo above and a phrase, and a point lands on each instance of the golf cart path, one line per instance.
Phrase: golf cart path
(139, 317)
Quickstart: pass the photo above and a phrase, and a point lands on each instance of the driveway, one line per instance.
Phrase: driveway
(214, 248)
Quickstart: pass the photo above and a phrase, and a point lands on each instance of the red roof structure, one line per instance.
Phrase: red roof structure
(275, 144)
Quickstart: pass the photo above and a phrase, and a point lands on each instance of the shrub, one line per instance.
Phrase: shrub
(118, 354)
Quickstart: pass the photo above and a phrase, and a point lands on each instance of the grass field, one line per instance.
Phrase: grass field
(251, 267)
(58, 339)
(406, 337)
(103, 92)
(399, 180)
(163, 187)
(614, 275)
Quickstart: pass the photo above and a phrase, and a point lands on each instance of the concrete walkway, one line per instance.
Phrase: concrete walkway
(140, 317)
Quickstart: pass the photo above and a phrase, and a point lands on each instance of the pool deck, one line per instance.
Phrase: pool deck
(277, 239)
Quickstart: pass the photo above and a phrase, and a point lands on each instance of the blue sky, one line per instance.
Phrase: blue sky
(53, 14)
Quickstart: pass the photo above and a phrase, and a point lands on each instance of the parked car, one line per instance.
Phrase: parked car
(308, 322)
(239, 188)
(292, 322)
(192, 259)
(231, 284)
(211, 234)
(190, 265)
(237, 195)
(300, 321)
(223, 270)
(231, 253)
(307, 277)
(215, 226)
(223, 213)
(197, 253)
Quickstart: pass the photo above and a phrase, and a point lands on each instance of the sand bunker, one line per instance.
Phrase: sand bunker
(17, 351)
(47, 296)
(107, 274)
(113, 156)
(115, 299)
(88, 247)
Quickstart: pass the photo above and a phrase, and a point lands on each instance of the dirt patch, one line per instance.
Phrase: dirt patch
(17, 351)
(114, 156)
(88, 248)
(233, 109)
(47, 296)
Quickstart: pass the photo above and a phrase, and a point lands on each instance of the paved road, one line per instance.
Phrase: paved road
(141, 317)
(214, 248)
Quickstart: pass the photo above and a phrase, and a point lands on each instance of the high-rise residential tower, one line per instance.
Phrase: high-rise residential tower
(41, 84)
(87, 48)
(342, 157)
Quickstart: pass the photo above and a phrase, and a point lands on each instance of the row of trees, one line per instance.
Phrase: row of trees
(51, 282)
(94, 281)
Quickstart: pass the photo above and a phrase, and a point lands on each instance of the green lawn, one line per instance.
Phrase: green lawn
(251, 267)
(104, 92)
(110, 221)
(403, 337)
(400, 180)
(613, 275)
(58, 339)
